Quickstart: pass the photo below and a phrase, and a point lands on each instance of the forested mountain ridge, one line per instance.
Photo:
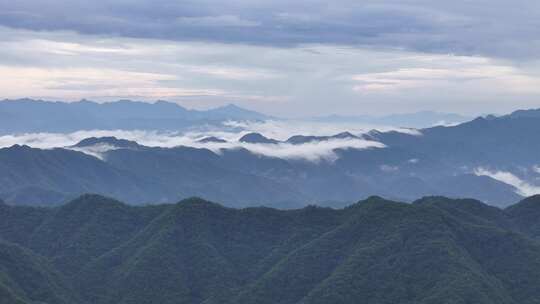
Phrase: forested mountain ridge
(436, 250)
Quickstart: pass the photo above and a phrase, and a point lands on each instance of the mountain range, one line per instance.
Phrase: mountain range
(489, 158)
(484, 159)
(29, 116)
(435, 250)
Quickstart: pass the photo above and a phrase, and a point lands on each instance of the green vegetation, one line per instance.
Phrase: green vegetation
(27, 278)
(436, 250)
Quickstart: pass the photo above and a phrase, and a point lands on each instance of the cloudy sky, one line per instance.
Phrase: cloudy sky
(286, 58)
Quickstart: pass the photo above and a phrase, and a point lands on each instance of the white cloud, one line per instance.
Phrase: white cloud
(313, 151)
(304, 80)
(217, 21)
(97, 151)
(68, 48)
(55, 140)
(522, 187)
(479, 71)
(233, 73)
(72, 83)
(283, 129)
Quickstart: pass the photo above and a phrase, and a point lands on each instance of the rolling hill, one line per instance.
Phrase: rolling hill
(436, 250)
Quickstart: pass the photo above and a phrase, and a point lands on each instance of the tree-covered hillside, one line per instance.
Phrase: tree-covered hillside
(436, 250)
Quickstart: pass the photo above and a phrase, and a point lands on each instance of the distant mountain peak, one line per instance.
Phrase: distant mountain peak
(107, 140)
(211, 139)
(231, 106)
(257, 138)
(373, 201)
(302, 139)
(165, 103)
(530, 113)
(233, 111)
(344, 135)
(372, 135)
(18, 147)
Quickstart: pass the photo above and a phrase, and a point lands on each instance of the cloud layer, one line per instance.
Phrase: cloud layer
(307, 80)
(313, 151)
(306, 58)
(493, 28)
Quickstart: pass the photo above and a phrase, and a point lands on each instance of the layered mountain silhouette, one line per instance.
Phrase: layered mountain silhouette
(423, 119)
(257, 138)
(237, 177)
(107, 141)
(451, 161)
(436, 161)
(302, 139)
(211, 139)
(436, 250)
(27, 115)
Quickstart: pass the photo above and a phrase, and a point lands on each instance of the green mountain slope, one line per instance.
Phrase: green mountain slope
(201, 249)
(436, 250)
(526, 215)
(386, 253)
(86, 228)
(27, 278)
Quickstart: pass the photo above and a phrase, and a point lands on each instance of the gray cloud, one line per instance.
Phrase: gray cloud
(313, 79)
(284, 58)
(492, 28)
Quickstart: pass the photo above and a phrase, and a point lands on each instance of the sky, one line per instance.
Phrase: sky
(283, 58)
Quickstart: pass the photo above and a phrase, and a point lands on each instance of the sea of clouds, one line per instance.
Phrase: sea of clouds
(231, 131)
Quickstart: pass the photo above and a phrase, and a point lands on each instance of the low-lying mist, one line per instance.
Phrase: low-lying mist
(230, 131)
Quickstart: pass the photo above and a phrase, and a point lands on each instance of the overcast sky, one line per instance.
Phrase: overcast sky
(286, 58)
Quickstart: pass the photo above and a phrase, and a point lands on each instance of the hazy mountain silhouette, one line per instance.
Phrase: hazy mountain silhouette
(257, 138)
(27, 115)
(109, 141)
(436, 161)
(211, 139)
(423, 119)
